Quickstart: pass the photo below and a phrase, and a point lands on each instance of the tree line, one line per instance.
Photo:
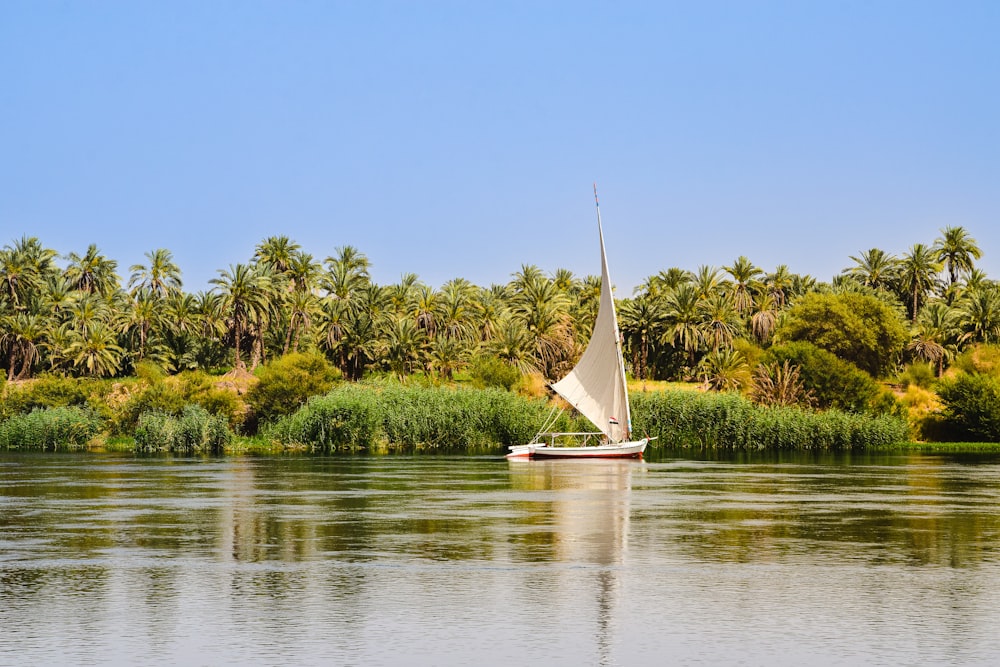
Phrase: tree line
(79, 317)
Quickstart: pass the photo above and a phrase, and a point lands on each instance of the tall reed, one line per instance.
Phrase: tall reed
(193, 431)
(729, 421)
(67, 427)
(409, 418)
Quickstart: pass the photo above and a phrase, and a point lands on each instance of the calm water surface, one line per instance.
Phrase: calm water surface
(458, 561)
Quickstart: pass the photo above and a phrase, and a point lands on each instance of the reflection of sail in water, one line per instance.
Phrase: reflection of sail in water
(588, 514)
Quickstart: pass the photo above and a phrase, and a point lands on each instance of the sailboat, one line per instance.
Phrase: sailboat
(596, 388)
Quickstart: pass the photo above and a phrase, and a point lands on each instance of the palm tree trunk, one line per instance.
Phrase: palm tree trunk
(238, 331)
(288, 340)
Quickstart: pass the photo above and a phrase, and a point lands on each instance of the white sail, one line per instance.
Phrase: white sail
(596, 385)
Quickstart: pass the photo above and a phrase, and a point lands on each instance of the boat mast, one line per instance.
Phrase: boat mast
(614, 316)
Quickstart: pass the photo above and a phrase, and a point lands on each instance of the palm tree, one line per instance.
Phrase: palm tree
(92, 273)
(720, 320)
(780, 385)
(874, 268)
(707, 281)
(302, 307)
(447, 355)
(934, 333)
(565, 281)
(745, 282)
(978, 315)
(22, 335)
(918, 274)
(86, 309)
(17, 277)
(490, 309)
(456, 309)
(244, 293)
(404, 346)
(160, 278)
(664, 281)
(303, 272)
(95, 350)
(544, 311)
(764, 319)
(957, 250)
(778, 284)
(145, 314)
(514, 346)
(277, 252)
(681, 320)
(400, 295)
(640, 323)
(426, 308)
(724, 370)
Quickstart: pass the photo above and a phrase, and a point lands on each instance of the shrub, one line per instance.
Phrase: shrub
(859, 328)
(918, 374)
(979, 358)
(47, 391)
(160, 396)
(489, 371)
(69, 427)
(971, 407)
(286, 383)
(834, 383)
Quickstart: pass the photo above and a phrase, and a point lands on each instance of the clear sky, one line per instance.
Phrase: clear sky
(460, 139)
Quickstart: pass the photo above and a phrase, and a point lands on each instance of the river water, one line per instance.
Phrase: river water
(790, 560)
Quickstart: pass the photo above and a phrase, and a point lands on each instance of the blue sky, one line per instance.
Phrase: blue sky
(460, 139)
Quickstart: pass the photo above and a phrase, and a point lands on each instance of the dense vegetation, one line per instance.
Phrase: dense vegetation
(144, 358)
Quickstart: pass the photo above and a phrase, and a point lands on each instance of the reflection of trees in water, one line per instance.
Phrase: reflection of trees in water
(917, 509)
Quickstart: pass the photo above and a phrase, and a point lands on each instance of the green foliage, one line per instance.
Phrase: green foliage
(834, 383)
(286, 383)
(69, 427)
(972, 407)
(398, 417)
(161, 397)
(730, 421)
(345, 419)
(170, 395)
(489, 371)
(193, 431)
(150, 372)
(856, 327)
(918, 374)
(979, 359)
(48, 391)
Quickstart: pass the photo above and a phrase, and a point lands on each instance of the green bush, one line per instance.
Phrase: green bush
(285, 384)
(972, 407)
(489, 371)
(160, 396)
(859, 328)
(919, 374)
(47, 391)
(67, 427)
(980, 358)
(194, 431)
(835, 383)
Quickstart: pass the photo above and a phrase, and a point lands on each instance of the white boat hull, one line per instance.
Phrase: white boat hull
(541, 450)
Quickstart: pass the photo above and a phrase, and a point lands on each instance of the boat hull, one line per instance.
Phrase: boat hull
(623, 450)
